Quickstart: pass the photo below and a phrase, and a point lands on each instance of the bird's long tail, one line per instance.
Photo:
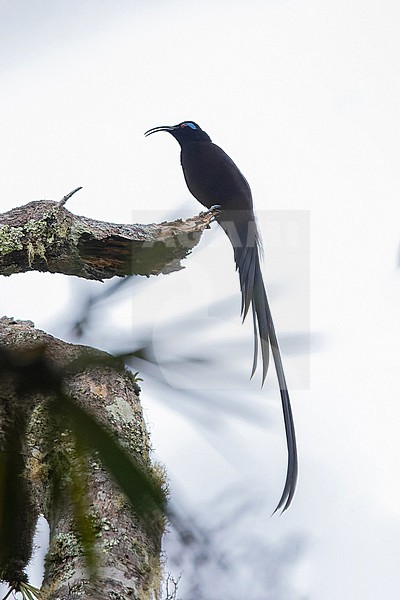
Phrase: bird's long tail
(247, 260)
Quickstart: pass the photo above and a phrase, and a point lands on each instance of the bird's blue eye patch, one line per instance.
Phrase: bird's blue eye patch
(191, 125)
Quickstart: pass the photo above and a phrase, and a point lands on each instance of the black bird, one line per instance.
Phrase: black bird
(214, 180)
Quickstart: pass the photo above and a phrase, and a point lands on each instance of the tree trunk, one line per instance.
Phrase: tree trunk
(124, 561)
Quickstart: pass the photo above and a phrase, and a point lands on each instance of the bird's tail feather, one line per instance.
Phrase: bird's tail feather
(253, 292)
(292, 467)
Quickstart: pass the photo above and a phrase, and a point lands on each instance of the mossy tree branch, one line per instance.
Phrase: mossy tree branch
(44, 236)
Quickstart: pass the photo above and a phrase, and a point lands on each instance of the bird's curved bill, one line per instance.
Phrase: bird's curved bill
(162, 128)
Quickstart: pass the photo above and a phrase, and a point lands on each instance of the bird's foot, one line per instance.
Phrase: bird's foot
(216, 209)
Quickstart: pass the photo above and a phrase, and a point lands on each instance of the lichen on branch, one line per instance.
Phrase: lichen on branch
(44, 236)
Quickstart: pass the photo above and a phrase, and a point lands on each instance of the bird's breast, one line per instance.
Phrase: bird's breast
(213, 178)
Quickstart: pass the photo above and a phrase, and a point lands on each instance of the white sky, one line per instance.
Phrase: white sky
(305, 97)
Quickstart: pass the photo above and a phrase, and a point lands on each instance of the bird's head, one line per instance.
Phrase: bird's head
(187, 131)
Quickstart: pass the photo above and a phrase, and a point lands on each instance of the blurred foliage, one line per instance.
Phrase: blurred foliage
(233, 558)
(196, 547)
(220, 553)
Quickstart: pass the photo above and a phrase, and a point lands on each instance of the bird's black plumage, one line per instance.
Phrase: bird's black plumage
(214, 179)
